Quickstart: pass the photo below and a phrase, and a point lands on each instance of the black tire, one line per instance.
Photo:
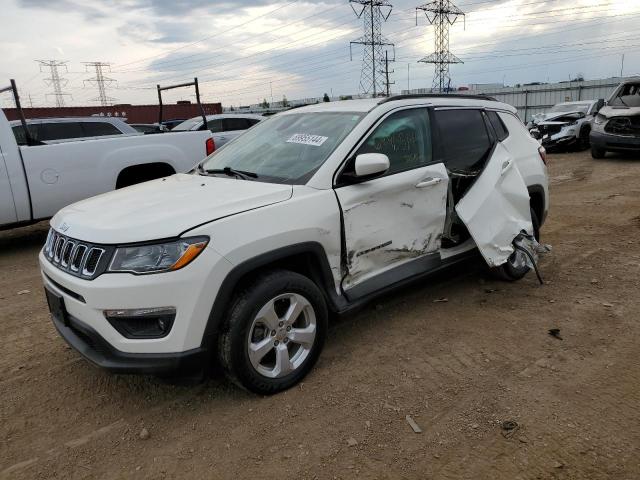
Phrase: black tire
(509, 272)
(233, 342)
(597, 152)
(583, 138)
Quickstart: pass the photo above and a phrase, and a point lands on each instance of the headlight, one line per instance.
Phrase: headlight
(600, 119)
(157, 257)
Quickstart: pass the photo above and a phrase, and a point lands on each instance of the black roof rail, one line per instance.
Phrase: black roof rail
(436, 95)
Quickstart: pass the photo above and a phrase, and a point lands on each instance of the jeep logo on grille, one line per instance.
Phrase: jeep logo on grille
(64, 227)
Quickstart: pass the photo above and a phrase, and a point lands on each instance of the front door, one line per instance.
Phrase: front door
(399, 217)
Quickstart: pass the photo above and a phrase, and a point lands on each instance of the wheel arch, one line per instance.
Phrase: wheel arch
(149, 171)
(537, 201)
(308, 258)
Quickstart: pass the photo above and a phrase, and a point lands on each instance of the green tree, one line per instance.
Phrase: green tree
(264, 103)
(326, 98)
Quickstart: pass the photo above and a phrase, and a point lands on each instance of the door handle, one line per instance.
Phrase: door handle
(505, 166)
(428, 182)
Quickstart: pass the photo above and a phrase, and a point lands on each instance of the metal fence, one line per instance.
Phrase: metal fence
(532, 99)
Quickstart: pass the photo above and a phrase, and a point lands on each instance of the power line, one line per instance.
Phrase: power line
(55, 81)
(101, 82)
(441, 14)
(374, 13)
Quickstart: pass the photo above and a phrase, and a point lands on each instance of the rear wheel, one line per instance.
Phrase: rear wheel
(274, 332)
(515, 267)
(597, 152)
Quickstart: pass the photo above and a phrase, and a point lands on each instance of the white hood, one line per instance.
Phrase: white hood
(163, 208)
(543, 117)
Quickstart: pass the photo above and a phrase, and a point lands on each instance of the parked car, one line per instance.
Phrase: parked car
(225, 127)
(172, 123)
(71, 129)
(315, 210)
(566, 125)
(37, 180)
(616, 128)
(147, 128)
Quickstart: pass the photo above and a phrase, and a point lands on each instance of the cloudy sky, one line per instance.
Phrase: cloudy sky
(244, 51)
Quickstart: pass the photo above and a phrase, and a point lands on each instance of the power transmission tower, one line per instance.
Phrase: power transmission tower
(56, 81)
(374, 13)
(101, 82)
(386, 72)
(442, 14)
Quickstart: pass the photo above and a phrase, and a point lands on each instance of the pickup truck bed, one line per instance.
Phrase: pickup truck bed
(37, 181)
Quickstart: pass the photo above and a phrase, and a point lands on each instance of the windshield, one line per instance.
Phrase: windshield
(286, 148)
(571, 107)
(627, 96)
(188, 124)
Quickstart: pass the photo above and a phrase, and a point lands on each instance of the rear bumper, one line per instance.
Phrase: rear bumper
(98, 351)
(612, 143)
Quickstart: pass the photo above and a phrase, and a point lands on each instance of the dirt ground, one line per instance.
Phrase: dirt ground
(459, 368)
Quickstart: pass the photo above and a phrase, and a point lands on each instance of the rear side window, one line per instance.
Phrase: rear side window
(464, 137)
(498, 125)
(98, 129)
(21, 138)
(60, 131)
(230, 124)
(404, 137)
(214, 126)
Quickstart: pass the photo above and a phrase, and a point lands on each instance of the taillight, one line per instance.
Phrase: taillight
(210, 146)
(543, 154)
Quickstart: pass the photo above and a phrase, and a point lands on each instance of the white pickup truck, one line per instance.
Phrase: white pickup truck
(38, 180)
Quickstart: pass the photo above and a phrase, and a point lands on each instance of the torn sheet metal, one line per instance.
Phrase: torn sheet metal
(531, 245)
(496, 208)
(392, 220)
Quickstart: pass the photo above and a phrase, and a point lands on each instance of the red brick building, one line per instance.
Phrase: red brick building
(132, 113)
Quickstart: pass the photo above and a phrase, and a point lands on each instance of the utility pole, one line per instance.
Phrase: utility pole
(442, 14)
(408, 76)
(101, 82)
(622, 65)
(55, 80)
(374, 13)
(386, 72)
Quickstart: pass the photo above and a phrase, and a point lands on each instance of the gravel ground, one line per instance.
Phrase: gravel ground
(458, 368)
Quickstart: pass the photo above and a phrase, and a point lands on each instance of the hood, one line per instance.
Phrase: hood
(543, 117)
(163, 208)
(611, 112)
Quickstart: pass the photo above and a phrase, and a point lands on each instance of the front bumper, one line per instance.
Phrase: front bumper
(614, 143)
(98, 351)
(559, 141)
(191, 291)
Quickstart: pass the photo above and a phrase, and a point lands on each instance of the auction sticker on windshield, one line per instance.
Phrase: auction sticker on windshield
(306, 139)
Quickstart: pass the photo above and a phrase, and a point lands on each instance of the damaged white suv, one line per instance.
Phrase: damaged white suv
(315, 210)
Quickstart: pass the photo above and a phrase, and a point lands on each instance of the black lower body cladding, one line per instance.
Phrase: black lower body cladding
(615, 143)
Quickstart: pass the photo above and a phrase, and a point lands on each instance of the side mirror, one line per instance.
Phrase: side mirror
(369, 164)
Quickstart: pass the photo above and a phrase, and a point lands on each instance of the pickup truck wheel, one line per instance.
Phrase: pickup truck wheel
(274, 332)
(597, 152)
(515, 268)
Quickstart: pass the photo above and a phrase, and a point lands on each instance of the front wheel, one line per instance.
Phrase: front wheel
(275, 330)
(597, 152)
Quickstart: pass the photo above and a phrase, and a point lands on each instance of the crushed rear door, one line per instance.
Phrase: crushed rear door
(496, 208)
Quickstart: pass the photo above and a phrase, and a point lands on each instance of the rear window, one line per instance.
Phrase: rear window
(464, 137)
(98, 129)
(498, 125)
(231, 124)
(60, 131)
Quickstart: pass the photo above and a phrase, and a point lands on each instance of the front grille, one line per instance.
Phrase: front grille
(549, 129)
(78, 258)
(623, 126)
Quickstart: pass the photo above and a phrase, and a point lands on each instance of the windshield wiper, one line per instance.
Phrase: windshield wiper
(232, 172)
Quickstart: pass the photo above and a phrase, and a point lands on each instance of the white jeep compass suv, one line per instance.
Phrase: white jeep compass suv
(315, 210)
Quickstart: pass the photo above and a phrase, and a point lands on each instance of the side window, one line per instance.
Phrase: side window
(230, 124)
(404, 137)
(60, 131)
(98, 129)
(464, 137)
(215, 126)
(498, 125)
